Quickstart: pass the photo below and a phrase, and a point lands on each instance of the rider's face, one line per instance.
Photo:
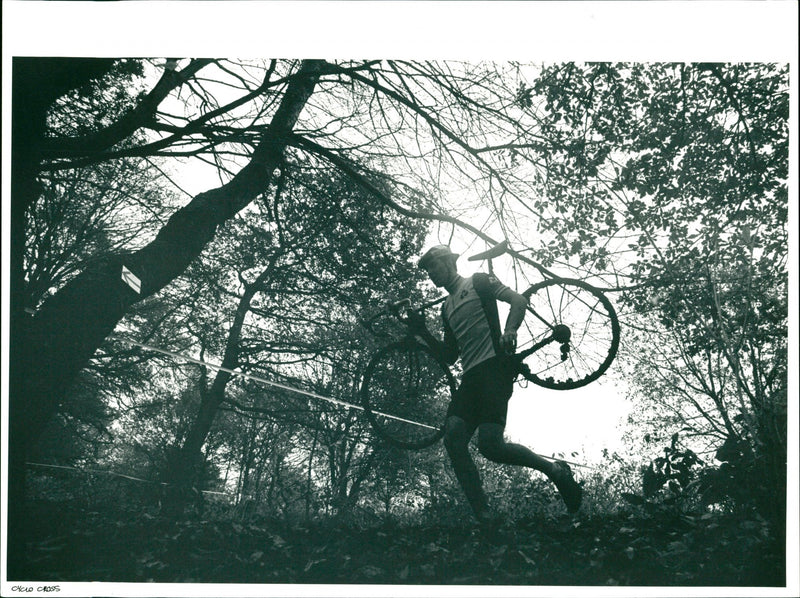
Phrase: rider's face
(440, 271)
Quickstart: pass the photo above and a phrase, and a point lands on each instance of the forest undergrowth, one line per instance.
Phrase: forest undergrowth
(71, 544)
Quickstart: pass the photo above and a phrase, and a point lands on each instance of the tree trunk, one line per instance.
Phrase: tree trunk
(183, 474)
(69, 328)
(59, 340)
(36, 84)
(309, 474)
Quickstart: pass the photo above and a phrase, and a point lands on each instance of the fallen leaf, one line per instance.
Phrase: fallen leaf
(311, 563)
(629, 552)
(528, 559)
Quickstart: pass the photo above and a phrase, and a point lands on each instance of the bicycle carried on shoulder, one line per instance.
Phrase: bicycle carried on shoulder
(569, 340)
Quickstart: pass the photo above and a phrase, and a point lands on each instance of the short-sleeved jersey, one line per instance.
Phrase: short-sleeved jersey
(464, 315)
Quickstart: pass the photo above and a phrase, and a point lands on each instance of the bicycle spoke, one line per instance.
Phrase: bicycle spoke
(540, 318)
(406, 392)
(593, 335)
(544, 370)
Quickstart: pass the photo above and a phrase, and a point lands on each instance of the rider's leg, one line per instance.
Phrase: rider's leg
(494, 447)
(456, 441)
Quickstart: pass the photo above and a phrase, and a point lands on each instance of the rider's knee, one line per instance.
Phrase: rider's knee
(491, 443)
(491, 448)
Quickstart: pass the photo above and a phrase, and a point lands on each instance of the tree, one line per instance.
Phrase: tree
(386, 107)
(318, 252)
(67, 329)
(69, 118)
(685, 167)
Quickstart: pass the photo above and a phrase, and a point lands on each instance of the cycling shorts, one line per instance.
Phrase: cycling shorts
(482, 396)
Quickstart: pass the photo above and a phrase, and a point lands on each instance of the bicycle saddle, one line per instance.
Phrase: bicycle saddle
(495, 251)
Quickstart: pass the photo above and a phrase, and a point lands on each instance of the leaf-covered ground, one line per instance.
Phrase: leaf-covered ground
(75, 545)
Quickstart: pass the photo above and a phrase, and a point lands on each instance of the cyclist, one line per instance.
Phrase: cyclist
(471, 332)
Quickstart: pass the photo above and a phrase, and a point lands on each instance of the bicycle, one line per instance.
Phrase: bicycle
(570, 341)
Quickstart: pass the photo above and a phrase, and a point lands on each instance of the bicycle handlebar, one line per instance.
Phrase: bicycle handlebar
(399, 309)
(394, 306)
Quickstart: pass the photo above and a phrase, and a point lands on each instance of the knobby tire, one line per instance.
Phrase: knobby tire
(594, 328)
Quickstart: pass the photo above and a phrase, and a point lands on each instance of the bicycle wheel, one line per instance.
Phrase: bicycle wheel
(405, 393)
(575, 329)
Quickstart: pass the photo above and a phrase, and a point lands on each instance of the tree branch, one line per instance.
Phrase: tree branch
(63, 147)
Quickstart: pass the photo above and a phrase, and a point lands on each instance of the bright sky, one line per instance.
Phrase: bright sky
(584, 420)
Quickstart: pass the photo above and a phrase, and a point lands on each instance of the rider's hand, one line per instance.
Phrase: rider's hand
(508, 342)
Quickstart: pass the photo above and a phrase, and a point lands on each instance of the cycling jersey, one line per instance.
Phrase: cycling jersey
(466, 320)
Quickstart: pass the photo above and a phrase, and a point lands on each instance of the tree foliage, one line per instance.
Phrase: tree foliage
(685, 167)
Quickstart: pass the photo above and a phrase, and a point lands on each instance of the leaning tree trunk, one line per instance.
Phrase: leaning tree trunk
(66, 331)
(69, 328)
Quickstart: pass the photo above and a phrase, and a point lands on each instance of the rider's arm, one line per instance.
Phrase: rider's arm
(516, 313)
(450, 345)
(447, 350)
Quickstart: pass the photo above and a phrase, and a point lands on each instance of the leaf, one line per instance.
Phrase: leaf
(629, 552)
(311, 563)
(677, 547)
(528, 559)
(433, 547)
(277, 540)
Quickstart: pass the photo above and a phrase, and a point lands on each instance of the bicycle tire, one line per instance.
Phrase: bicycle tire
(405, 394)
(594, 334)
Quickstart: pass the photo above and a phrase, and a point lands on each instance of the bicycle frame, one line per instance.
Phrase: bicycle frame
(560, 334)
(399, 310)
(573, 314)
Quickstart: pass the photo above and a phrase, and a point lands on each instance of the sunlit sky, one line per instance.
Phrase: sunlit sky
(584, 420)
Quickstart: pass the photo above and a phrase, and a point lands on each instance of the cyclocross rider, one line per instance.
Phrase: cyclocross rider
(480, 403)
